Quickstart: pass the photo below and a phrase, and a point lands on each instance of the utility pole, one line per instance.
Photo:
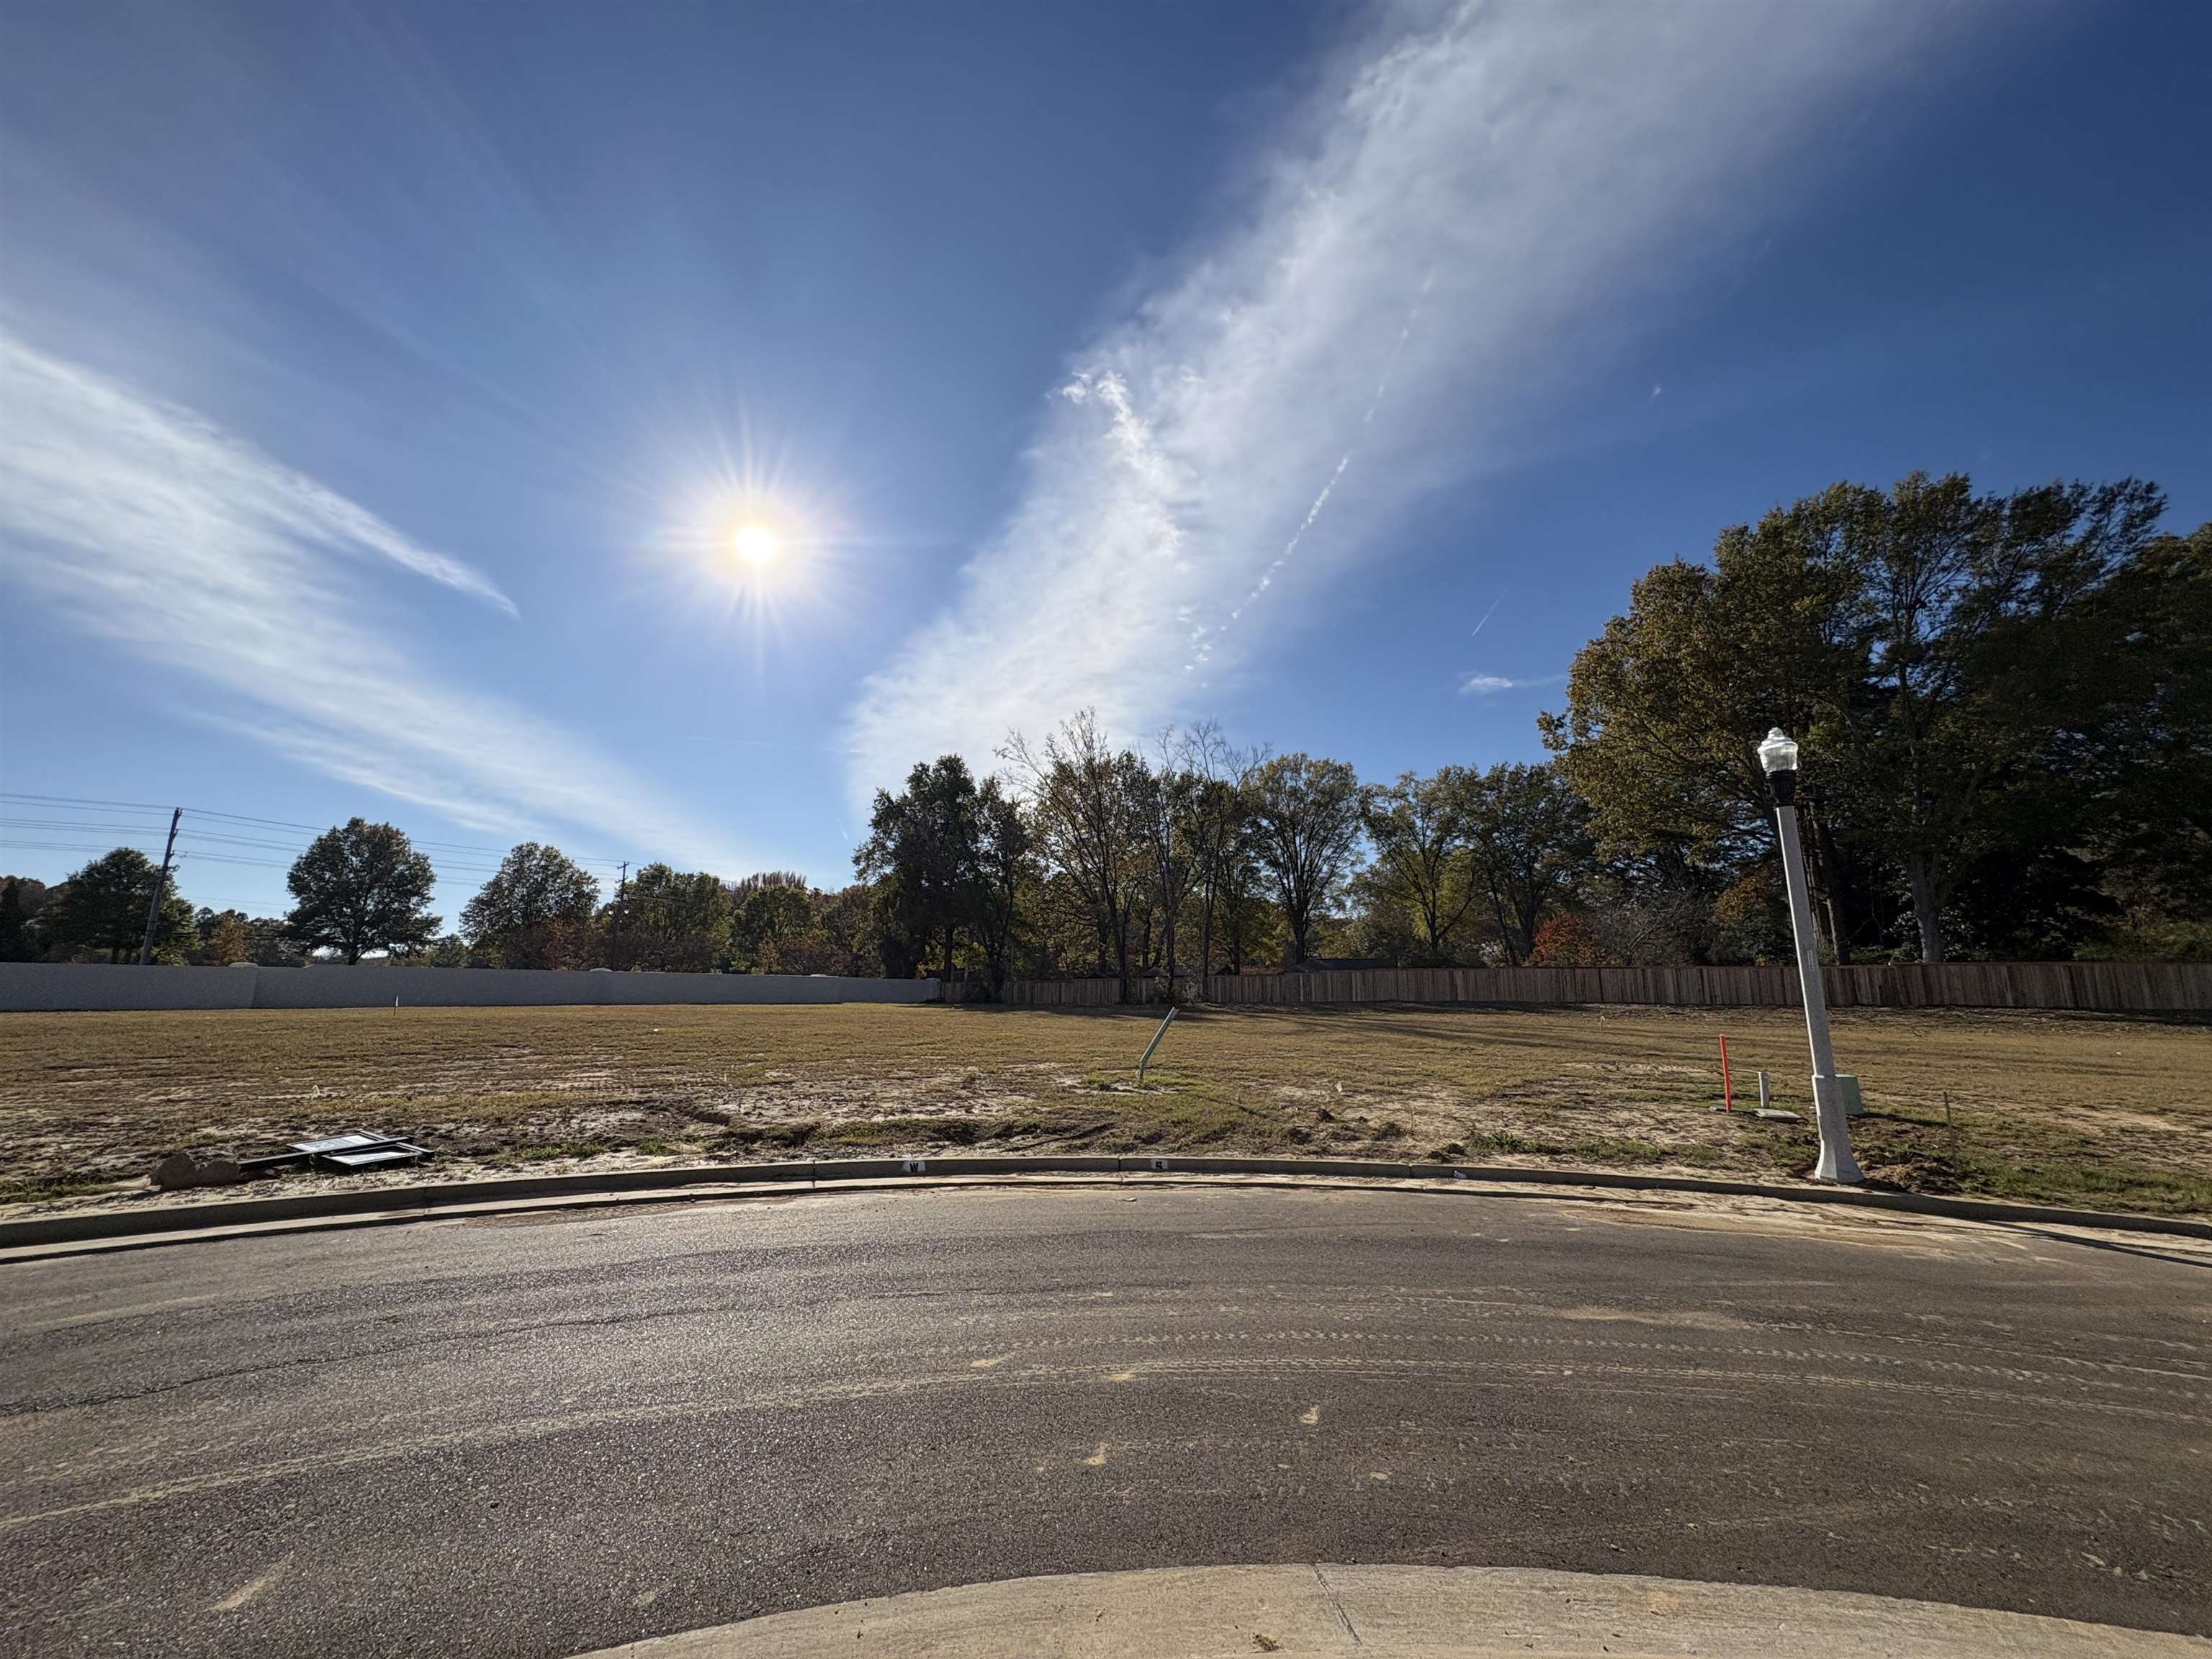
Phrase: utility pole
(161, 890)
(622, 892)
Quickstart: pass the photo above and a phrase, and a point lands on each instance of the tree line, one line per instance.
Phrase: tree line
(2006, 707)
(2005, 702)
(363, 889)
(1192, 856)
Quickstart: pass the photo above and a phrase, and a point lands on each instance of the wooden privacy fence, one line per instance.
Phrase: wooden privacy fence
(2104, 987)
(1074, 993)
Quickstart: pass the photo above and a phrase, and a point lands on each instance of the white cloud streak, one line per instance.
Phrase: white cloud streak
(1489, 685)
(141, 524)
(91, 464)
(1474, 204)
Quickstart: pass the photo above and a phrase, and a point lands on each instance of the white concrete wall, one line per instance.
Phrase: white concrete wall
(26, 987)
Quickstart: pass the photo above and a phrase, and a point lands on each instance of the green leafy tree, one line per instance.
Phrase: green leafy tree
(535, 912)
(2134, 668)
(770, 927)
(845, 938)
(837, 938)
(101, 908)
(1666, 708)
(921, 852)
(675, 920)
(21, 899)
(1528, 840)
(1941, 654)
(447, 950)
(270, 944)
(361, 887)
(2096, 671)
(1419, 828)
(1304, 816)
(1002, 881)
(1958, 597)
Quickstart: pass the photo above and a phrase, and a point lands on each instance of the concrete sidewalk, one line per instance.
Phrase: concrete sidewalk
(1397, 1613)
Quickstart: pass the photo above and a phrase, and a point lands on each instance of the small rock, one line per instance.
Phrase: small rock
(183, 1170)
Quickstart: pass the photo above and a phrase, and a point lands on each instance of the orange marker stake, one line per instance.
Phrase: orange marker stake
(1728, 1091)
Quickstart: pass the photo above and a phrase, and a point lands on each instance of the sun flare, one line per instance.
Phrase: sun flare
(755, 544)
(752, 545)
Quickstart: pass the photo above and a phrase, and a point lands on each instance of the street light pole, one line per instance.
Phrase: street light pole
(1778, 755)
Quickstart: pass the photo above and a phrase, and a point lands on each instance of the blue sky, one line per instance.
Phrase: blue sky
(379, 386)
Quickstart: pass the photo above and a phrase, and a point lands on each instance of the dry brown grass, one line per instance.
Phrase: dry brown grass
(2062, 1107)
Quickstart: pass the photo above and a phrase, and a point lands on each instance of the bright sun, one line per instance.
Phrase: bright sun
(755, 544)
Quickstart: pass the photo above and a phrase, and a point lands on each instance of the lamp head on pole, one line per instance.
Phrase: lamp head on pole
(1778, 756)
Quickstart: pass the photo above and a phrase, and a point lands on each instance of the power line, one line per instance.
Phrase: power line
(80, 800)
(144, 830)
(91, 827)
(232, 817)
(61, 846)
(153, 806)
(74, 801)
(128, 832)
(444, 851)
(107, 846)
(108, 843)
(272, 824)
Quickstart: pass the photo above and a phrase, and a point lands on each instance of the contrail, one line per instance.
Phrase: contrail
(1268, 576)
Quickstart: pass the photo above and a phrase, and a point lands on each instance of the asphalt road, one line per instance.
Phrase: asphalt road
(536, 1435)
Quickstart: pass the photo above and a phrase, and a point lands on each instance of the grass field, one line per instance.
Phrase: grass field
(2073, 1109)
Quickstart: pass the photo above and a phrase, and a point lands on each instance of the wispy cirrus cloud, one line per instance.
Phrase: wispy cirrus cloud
(1479, 193)
(138, 522)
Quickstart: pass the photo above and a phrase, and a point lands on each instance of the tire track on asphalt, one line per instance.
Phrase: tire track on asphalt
(1706, 1380)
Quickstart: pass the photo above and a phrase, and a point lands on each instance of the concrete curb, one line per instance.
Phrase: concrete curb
(68, 1234)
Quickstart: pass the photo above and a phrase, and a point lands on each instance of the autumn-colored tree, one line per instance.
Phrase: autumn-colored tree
(1566, 941)
(222, 939)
